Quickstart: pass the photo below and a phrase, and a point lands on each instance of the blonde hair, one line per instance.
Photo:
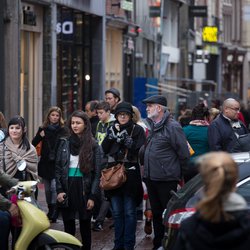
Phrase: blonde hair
(46, 122)
(136, 115)
(213, 112)
(219, 173)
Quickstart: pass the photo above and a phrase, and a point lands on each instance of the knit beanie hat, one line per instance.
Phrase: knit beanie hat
(114, 91)
(124, 107)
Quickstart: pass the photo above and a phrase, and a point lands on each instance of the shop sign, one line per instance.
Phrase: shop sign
(65, 28)
(154, 11)
(126, 5)
(209, 34)
(198, 11)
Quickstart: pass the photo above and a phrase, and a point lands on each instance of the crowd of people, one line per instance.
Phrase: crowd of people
(155, 152)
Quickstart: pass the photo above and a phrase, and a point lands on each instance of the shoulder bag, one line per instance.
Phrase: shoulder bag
(114, 177)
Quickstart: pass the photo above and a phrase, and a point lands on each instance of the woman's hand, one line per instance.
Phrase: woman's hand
(90, 204)
(13, 210)
(60, 197)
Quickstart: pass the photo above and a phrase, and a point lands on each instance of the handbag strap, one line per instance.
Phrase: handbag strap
(126, 151)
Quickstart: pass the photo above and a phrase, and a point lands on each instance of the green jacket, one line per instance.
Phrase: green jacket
(7, 182)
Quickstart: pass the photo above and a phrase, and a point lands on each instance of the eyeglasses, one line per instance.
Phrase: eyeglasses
(123, 114)
(235, 109)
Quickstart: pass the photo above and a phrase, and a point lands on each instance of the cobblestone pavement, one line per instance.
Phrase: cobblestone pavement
(101, 240)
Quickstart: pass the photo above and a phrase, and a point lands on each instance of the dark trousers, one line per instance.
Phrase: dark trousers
(85, 230)
(159, 195)
(4, 229)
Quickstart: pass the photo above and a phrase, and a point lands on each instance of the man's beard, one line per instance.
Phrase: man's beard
(153, 115)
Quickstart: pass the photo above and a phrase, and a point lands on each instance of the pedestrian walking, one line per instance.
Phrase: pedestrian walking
(48, 136)
(221, 220)
(122, 143)
(78, 163)
(165, 157)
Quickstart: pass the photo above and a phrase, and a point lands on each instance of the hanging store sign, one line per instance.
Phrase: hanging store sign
(198, 11)
(210, 34)
(154, 11)
(126, 5)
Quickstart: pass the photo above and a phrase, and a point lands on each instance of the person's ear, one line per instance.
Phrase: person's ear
(25, 130)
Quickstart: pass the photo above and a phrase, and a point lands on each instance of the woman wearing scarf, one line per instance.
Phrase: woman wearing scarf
(16, 151)
(78, 164)
(48, 135)
(122, 143)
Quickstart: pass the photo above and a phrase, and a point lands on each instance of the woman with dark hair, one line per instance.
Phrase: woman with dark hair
(122, 143)
(48, 134)
(16, 152)
(221, 220)
(196, 134)
(78, 163)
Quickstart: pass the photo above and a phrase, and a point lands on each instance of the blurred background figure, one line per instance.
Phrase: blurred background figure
(213, 112)
(90, 109)
(196, 134)
(185, 117)
(221, 220)
(112, 96)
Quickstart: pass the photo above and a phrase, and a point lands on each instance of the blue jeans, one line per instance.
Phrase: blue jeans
(124, 214)
(4, 229)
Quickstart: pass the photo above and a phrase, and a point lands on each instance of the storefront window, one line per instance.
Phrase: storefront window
(72, 64)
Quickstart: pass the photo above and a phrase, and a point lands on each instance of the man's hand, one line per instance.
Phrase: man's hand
(90, 204)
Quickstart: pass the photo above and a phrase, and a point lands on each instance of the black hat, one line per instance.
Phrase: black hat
(114, 91)
(124, 107)
(158, 99)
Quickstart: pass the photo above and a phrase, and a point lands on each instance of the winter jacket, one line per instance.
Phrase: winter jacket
(6, 182)
(116, 152)
(90, 180)
(46, 165)
(196, 233)
(221, 136)
(166, 153)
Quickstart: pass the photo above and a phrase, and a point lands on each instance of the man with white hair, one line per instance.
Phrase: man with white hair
(224, 130)
(165, 156)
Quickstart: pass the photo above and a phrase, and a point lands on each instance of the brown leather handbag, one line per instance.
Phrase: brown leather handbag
(113, 177)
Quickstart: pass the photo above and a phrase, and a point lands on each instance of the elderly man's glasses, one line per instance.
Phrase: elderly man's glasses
(235, 109)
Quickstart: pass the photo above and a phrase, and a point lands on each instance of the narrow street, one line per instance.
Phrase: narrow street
(102, 240)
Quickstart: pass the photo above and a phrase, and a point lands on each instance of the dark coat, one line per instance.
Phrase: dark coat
(90, 180)
(133, 185)
(221, 136)
(166, 154)
(46, 165)
(196, 233)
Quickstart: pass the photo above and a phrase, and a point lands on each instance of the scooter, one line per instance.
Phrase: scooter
(35, 233)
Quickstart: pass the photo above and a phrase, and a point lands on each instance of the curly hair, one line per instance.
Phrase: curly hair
(86, 140)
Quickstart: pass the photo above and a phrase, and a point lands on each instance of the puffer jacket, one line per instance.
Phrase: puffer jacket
(90, 180)
(166, 154)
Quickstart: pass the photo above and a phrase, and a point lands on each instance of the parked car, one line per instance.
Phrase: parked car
(182, 203)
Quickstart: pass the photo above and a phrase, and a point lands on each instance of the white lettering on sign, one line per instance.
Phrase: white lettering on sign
(65, 28)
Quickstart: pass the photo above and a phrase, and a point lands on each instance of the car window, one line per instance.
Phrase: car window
(243, 188)
(195, 198)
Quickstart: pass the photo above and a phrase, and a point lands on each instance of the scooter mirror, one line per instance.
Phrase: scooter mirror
(21, 165)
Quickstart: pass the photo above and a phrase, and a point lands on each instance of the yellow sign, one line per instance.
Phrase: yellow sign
(209, 34)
